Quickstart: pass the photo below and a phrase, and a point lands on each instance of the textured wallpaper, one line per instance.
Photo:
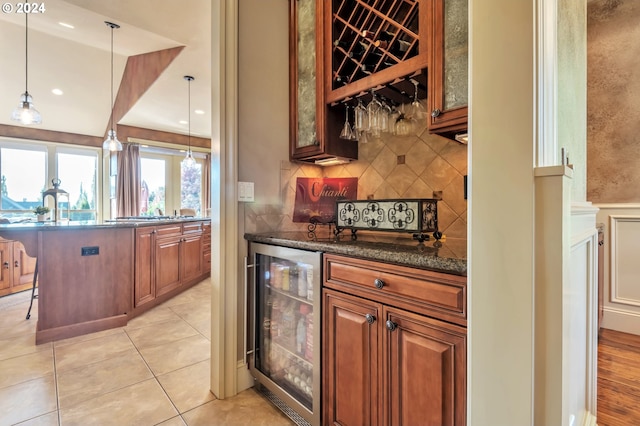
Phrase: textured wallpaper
(613, 101)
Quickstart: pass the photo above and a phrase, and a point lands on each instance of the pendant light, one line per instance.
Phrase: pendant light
(25, 112)
(189, 161)
(112, 143)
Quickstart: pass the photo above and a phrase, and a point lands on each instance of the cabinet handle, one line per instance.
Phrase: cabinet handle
(370, 318)
(378, 283)
(16, 264)
(391, 325)
(436, 112)
(6, 265)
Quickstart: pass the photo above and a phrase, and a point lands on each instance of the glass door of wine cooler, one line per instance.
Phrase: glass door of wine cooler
(286, 331)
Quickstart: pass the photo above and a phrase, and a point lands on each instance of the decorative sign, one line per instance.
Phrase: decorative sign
(409, 215)
(316, 198)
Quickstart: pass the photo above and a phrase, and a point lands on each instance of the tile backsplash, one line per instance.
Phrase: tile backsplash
(388, 167)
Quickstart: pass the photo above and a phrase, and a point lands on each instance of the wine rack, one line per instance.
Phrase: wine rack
(373, 43)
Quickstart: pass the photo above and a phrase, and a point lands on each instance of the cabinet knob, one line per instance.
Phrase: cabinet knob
(378, 283)
(16, 264)
(370, 318)
(391, 325)
(6, 265)
(436, 112)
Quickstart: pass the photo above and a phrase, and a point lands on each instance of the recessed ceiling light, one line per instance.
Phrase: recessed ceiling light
(199, 111)
(183, 122)
(64, 24)
(57, 92)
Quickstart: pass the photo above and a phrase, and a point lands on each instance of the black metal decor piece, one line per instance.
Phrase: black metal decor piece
(418, 216)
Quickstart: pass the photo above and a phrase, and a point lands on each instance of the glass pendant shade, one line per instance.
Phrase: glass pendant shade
(25, 112)
(189, 161)
(112, 143)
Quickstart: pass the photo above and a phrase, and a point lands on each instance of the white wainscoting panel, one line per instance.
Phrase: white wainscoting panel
(625, 267)
(621, 266)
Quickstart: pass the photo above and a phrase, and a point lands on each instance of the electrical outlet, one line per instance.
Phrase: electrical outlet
(90, 251)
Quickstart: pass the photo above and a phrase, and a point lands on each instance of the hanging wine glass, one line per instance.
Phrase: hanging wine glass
(384, 118)
(347, 132)
(393, 119)
(373, 111)
(418, 111)
(361, 120)
(403, 125)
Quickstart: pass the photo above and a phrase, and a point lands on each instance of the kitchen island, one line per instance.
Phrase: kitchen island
(89, 272)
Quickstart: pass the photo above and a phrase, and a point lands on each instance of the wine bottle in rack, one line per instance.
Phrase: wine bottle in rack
(368, 34)
(341, 81)
(343, 44)
(399, 48)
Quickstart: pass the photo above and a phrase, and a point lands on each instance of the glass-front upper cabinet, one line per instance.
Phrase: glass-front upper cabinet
(307, 107)
(448, 71)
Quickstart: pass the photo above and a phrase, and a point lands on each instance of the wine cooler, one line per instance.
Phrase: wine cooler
(285, 308)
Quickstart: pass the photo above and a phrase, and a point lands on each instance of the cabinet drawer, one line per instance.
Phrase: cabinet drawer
(430, 293)
(192, 227)
(169, 230)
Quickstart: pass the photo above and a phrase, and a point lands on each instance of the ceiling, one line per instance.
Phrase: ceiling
(78, 62)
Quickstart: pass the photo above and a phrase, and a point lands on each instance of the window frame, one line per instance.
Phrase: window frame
(51, 150)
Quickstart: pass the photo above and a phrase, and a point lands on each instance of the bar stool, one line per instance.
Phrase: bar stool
(33, 289)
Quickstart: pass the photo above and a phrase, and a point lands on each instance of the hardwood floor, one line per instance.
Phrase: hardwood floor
(618, 379)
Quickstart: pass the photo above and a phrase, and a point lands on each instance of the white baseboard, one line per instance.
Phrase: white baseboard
(590, 420)
(620, 320)
(244, 378)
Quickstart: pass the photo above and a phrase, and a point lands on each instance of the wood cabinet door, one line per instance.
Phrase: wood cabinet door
(424, 365)
(24, 266)
(6, 260)
(144, 285)
(167, 264)
(448, 70)
(191, 260)
(350, 360)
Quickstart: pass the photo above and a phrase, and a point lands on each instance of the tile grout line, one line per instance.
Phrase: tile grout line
(55, 378)
(155, 377)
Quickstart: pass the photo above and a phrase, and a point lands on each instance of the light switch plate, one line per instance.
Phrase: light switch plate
(245, 191)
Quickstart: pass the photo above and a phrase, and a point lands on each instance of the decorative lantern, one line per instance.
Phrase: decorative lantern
(58, 205)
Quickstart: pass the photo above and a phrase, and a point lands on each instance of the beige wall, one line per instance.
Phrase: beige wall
(613, 113)
(501, 212)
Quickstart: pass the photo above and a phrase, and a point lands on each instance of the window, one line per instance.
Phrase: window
(191, 187)
(23, 178)
(78, 172)
(152, 193)
(167, 184)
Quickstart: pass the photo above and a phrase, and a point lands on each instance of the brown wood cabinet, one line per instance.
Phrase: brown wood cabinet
(167, 257)
(448, 68)
(16, 267)
(312, 137)
(206, 248)
(389, 357)
(341, 50)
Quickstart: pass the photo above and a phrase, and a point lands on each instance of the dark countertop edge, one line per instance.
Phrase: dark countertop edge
(404, 258)
(39, 226)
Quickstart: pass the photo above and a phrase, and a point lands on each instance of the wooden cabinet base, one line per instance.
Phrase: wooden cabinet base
(140, 309)
(73, 330)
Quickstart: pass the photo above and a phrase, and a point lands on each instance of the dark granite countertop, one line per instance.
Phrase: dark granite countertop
(449, 255)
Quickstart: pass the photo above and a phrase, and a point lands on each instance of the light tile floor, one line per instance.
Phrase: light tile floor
(153, 371)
